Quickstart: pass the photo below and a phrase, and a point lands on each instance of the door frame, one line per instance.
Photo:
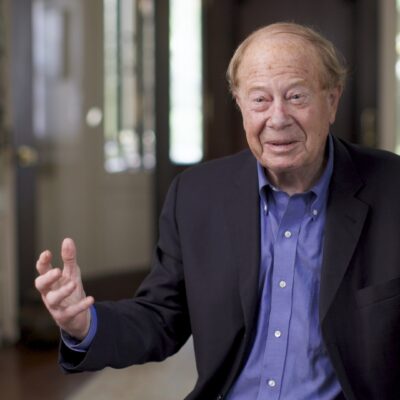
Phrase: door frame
(387, 75)
(22, 135)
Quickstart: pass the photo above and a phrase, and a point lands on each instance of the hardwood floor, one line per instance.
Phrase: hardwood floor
(28, 373)
(29, 370)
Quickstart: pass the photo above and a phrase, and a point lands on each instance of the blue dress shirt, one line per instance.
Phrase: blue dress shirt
(288, 360)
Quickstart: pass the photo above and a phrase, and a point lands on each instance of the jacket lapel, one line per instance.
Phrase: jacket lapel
(344, 222)
(244, 228)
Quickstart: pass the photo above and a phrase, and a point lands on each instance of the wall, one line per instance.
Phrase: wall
(8, 291)
(388, 17)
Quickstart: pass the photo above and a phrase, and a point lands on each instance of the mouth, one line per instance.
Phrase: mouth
(280, 145)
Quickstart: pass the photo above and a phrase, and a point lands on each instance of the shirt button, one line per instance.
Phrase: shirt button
(315, 212)
(271, 383)
(282, 284)
(278, 334)
(288, 234)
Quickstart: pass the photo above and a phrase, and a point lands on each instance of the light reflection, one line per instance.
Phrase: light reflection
(128, 84)
(186, 109)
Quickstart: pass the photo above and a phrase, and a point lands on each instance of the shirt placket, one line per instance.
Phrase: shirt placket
(284, 257)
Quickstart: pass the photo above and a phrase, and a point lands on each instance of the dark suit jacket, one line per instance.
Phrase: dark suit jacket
(204, 279)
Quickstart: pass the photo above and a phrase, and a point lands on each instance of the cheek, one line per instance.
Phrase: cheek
(253, 125)
(316, 138)
(315, 124)
(253, 129)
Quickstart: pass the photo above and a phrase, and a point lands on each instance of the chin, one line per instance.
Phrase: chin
(277, 166)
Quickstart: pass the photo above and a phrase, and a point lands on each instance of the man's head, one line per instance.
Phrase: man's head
(287, 81)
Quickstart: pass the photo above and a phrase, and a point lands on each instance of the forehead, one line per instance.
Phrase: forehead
(272, 55)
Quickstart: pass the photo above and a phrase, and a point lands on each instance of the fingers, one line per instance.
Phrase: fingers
(62, 291)
(46, 281)
(54, 298)
(59, 298)
(68, 255)
(43, 263)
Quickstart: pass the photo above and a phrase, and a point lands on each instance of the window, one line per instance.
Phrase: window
(186, 109)
(129, 85)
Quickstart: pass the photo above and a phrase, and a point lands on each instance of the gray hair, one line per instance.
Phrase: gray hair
(334, 67)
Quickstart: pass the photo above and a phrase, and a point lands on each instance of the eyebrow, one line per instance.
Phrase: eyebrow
(291, 85)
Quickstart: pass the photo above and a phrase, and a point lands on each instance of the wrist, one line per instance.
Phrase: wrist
(77, 332)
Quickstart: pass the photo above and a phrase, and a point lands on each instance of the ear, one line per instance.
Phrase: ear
(333, 102)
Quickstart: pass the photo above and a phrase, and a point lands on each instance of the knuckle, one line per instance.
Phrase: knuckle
(53, 298)
(40, 283)
(50, 300)
(38, 286)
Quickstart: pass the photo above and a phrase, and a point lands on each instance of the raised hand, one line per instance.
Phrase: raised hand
(62, 291)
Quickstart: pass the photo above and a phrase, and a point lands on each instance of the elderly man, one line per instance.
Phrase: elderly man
(283, 262)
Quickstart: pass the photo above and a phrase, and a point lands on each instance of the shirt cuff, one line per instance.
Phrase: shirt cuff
(82, 346)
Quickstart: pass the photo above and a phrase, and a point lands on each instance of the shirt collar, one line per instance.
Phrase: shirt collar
(320, 189)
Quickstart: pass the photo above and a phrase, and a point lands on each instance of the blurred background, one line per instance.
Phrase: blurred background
(102, 102)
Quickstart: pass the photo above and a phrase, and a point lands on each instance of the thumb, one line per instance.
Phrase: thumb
(68, 255)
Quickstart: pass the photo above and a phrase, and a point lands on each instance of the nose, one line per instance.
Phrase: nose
(278, 117)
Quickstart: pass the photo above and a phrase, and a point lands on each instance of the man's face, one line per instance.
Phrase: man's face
(286, 113)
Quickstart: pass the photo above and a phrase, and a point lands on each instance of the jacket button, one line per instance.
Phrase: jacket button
(220, 397)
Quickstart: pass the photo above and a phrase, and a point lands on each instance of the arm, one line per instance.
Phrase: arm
(150, 327)
(154, 324)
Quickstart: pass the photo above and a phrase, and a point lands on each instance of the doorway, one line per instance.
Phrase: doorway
(86, 165)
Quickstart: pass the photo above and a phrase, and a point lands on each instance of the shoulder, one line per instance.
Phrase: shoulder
(363, 153)
(372, 173)
(214, 182)
(221, 170)
(371, 162)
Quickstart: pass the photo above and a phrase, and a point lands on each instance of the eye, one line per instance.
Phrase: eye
(297, 98)
(259, 103)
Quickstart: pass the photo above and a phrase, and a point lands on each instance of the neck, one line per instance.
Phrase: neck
(294, 182)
